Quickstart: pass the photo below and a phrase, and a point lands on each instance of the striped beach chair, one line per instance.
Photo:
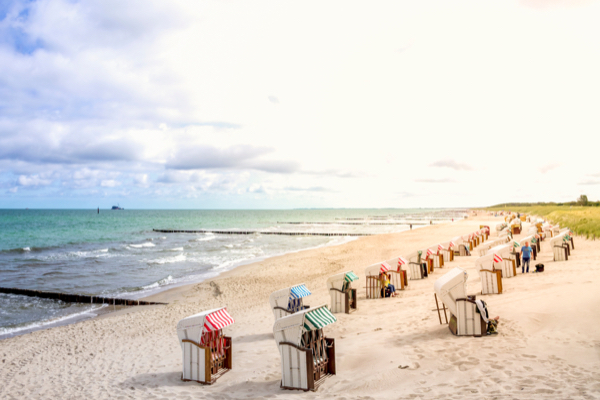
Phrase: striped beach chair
(289, 300)
(491, 277)
(343, 295)
(206, 352)
(510, 258)
(398, 277)
(307, 356)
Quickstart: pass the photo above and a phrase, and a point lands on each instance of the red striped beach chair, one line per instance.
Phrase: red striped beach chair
(206, 351)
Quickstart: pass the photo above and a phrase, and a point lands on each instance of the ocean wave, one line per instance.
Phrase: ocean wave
(208, 236)
(162, 282)
(176, 249)
(168, 260)
(139, 246)
(41, 324)
(26, 249)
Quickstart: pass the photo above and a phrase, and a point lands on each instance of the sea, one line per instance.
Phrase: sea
(118, 253)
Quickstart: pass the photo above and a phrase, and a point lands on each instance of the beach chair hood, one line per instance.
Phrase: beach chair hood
(337, 281)
(503, 250)
(281, 298)
(291, 327)
(451, 286)
(485, 262)
(194, 326)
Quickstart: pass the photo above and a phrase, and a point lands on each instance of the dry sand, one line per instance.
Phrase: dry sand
(548, 345)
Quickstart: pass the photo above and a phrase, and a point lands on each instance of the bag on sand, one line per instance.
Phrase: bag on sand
(539, 267)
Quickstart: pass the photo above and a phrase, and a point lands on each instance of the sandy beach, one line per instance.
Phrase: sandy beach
(548, 344)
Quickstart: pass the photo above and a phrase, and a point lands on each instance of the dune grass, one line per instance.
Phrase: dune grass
(584, 221)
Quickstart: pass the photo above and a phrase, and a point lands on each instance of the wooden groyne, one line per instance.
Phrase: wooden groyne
(261, 233)
(77, 298)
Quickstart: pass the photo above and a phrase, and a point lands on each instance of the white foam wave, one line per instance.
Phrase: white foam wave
(139, 246)
(26, 249)
(162, 282)
(41, 324)
(204, 239)
(168, 260)
(176, 249)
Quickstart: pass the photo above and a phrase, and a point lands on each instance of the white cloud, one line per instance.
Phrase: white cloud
(110, 183)
(230, 100)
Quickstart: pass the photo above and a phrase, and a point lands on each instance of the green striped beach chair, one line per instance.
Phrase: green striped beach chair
(307, 356)
(343, 295)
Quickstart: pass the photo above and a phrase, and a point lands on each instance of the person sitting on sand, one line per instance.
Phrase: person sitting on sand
(492, 324)
(387, 289)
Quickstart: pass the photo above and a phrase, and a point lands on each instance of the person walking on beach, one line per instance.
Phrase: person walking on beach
(526, 252)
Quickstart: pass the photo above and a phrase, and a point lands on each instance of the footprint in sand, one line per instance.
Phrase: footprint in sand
(528, 356)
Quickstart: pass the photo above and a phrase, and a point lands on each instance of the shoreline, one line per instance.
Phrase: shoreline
(160, 292)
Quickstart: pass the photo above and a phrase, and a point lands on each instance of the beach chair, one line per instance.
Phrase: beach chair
(559, 247)
(464, 246)
(486, 231)
(570, 233)
(451, 289)
(288, 301)
(508, 265)
(491, 277)
(447, 251)
(398, 278)
(343, 296)
(547, 230)
(434, 253)
(419, 257)
(307, 356)
(206, 352)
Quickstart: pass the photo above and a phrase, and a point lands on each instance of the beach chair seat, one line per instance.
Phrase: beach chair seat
(343, 296)
(451, 289)
(206, 351)
(307, 356)
(289, 300)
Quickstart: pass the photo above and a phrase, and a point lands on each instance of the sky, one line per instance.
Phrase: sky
(324, 104)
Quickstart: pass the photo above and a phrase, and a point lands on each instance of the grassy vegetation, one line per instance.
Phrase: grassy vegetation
(582, 220)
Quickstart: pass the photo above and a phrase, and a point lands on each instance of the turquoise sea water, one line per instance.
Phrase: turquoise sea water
(117, 253)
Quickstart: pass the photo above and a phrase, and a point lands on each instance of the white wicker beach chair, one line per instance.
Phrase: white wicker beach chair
(343, 296)
(491, 277)
(288, 301)
(560, 246)
(417, 265)
(436, 255)
(509, 263)
(447, 251)
(451, 289)
(206, 352)
(307, 356)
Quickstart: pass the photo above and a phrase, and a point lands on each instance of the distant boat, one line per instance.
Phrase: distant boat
(117, 208)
